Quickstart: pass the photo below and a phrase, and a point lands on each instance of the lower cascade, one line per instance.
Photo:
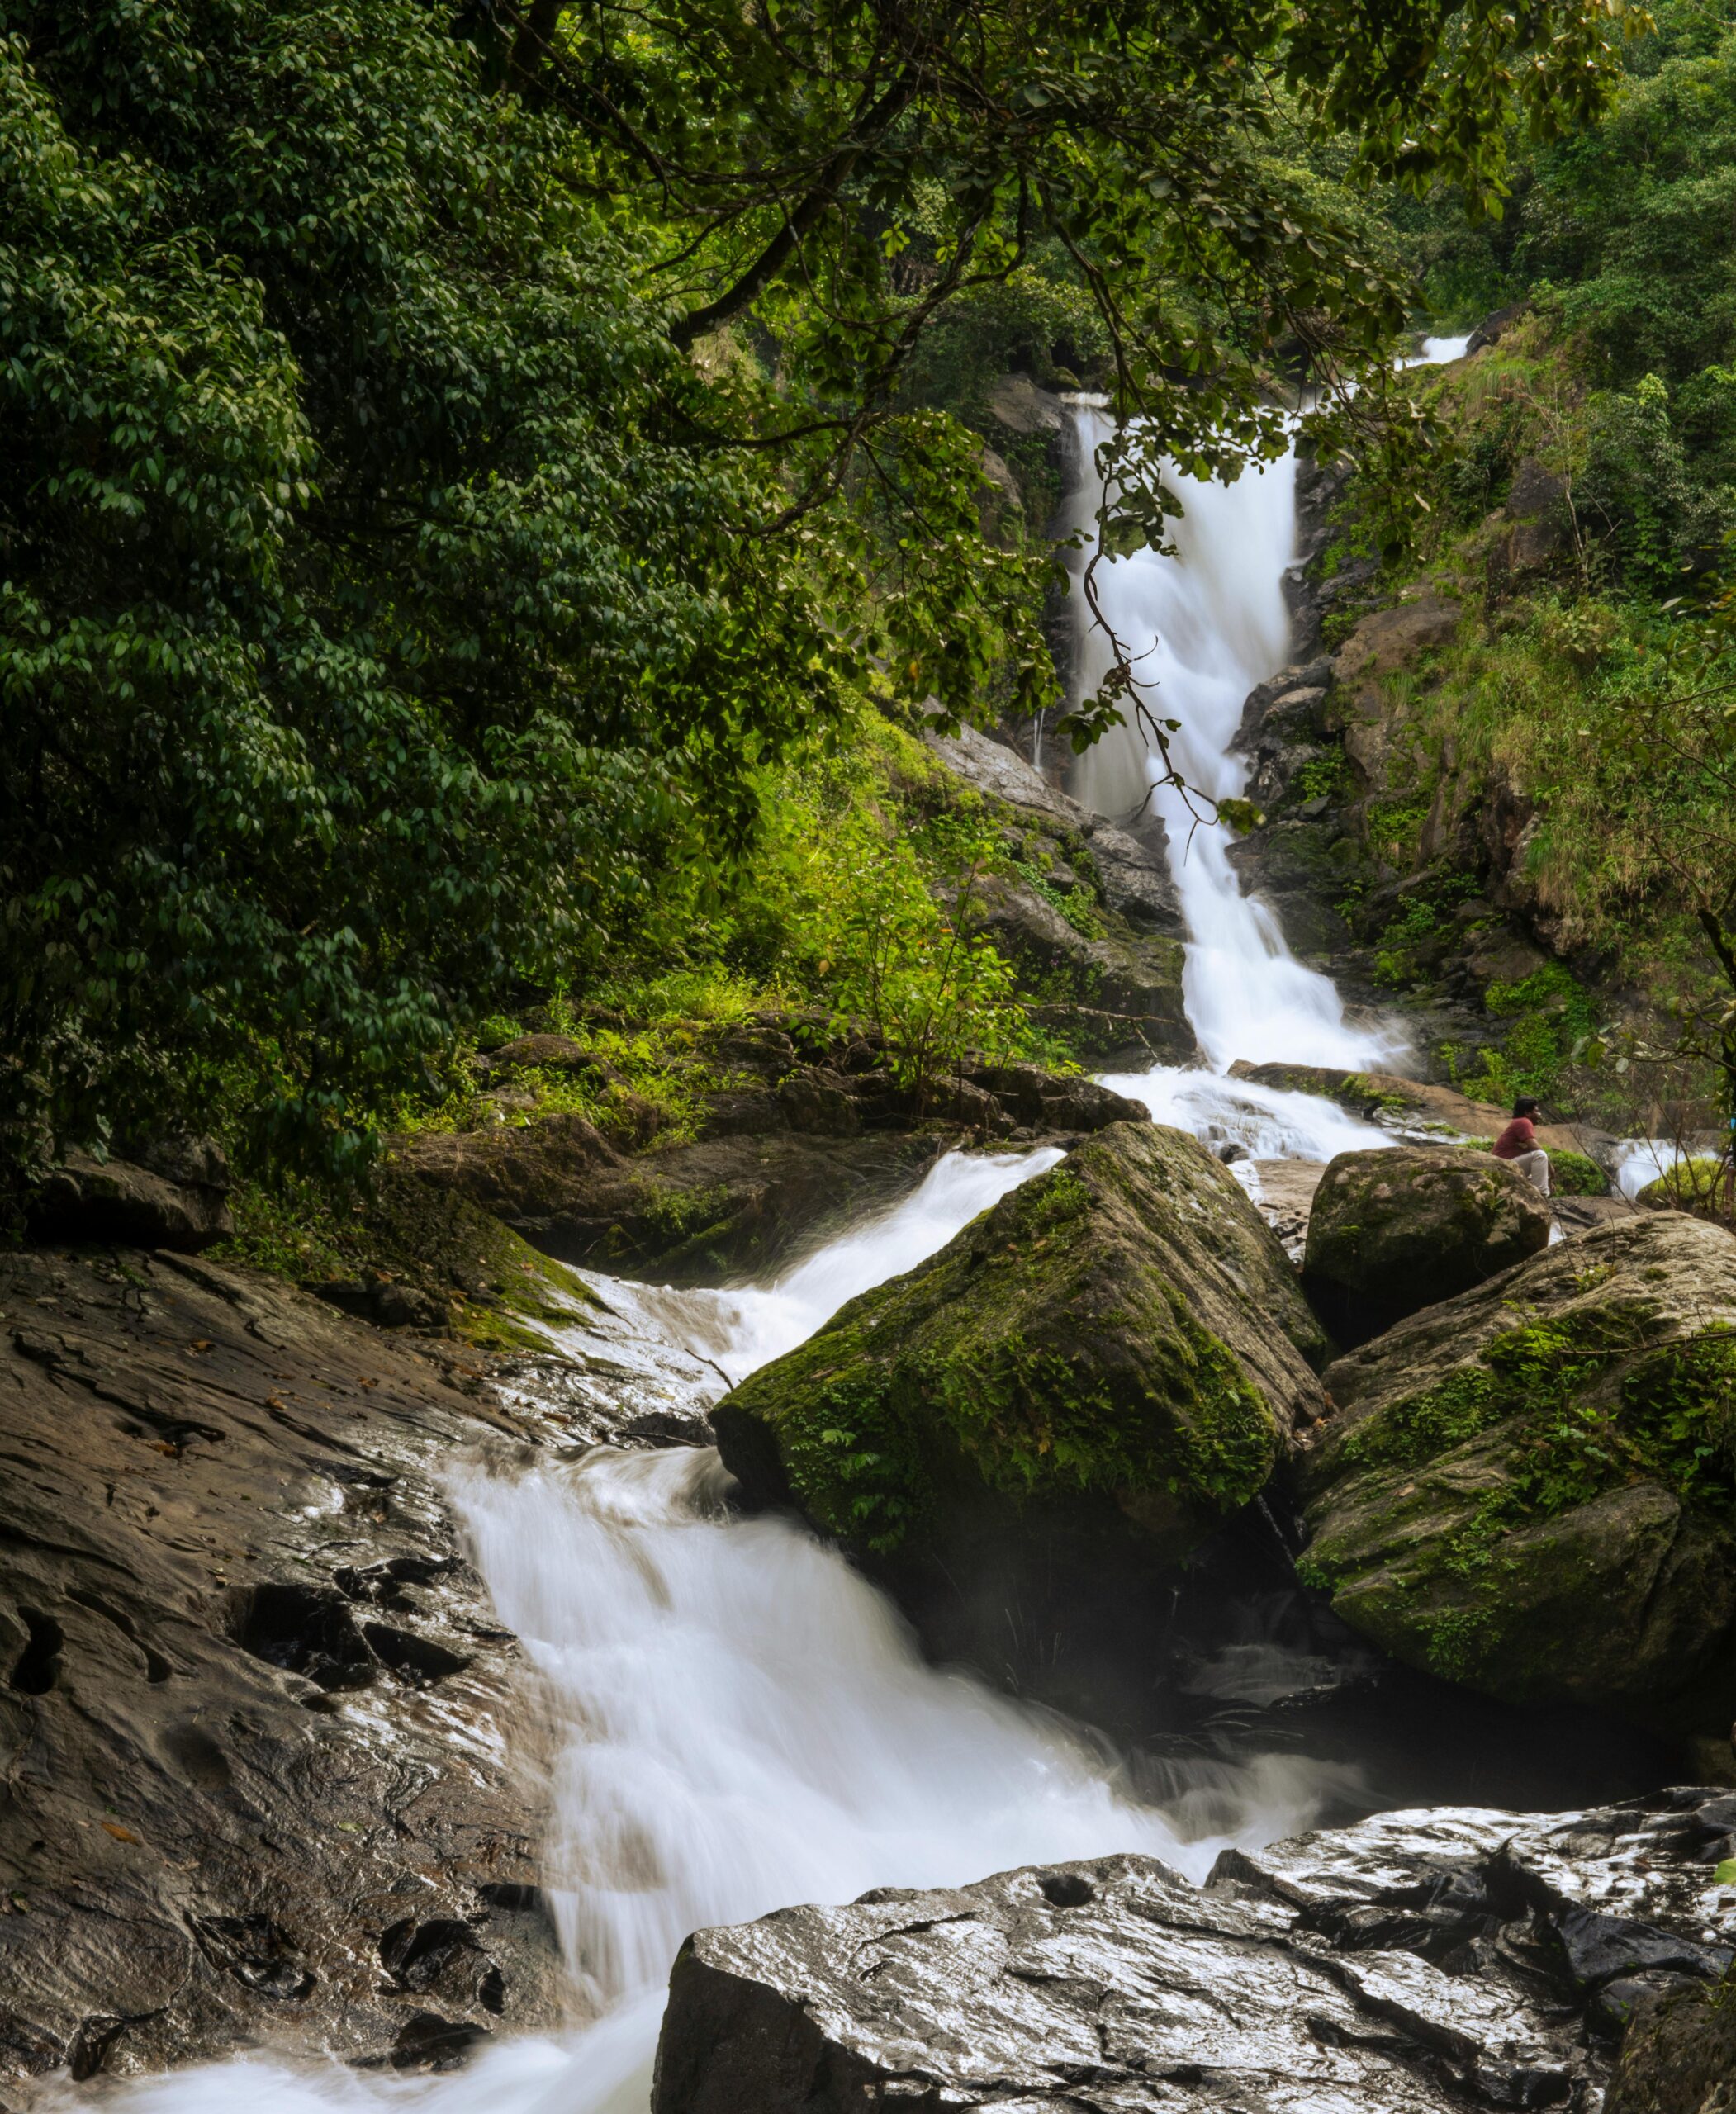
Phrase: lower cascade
(729, 1719)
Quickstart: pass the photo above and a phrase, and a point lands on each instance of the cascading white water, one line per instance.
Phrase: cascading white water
(730, 1719)
(740, 1330)
(1267, 1122)
(733, 1720)
(1202, 628)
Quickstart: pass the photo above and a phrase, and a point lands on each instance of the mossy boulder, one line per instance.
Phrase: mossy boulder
(1392, 1231)
(691, 1214)
(1119, 1348)
(1532, 1488)
(1701, 1185)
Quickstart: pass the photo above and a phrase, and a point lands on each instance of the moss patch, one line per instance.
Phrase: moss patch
(1551, 1516)
(1072, 1344)
(493, 1286)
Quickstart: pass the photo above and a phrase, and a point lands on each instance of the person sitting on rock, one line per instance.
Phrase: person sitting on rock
(1518, 1146)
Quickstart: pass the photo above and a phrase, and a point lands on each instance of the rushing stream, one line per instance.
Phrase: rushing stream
(730, 1719)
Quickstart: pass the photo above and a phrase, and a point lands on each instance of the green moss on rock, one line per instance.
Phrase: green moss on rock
(1532, 1488)
(1119, 1340)
(1394, 1230)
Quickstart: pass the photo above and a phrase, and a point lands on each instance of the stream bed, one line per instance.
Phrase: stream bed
(726, 1717)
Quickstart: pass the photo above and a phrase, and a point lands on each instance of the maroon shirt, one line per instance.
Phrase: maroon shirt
(1519, 1136)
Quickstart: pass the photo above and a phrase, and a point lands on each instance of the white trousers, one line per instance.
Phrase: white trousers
(1534, 1166)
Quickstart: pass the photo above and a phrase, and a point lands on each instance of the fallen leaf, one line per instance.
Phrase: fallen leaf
(121, 1834)
(1725, 1872)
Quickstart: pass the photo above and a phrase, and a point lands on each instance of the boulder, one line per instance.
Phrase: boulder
(1047, 1101)
(254, 1704)
(1115, 994)
(183, 1205)
(1412, 1965)
(1116, 986)
(1131, 857)
(737, 1205)
(1018, 404)
(1392, 639)
(1000, 773)
(969, 1102)
(1117, 1350)
(1375, 718)
(1132, 863)
(1394, 1230)
(1531, 1489)
(1539, 506)
(552, 1053)
(1297, 866)
(820, 1102)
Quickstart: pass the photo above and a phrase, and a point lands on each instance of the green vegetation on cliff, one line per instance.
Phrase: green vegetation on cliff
(456, 462)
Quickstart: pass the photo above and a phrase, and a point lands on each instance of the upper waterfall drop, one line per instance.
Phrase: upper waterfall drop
(1202, 629)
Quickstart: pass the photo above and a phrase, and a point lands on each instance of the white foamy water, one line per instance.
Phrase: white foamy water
(731, 1720)
(734, 1721)
(738, 1331)
(1638, 1161)
(1202, 628)
(1269, 1122)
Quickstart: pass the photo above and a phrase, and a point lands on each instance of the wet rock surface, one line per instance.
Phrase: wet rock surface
(253, 1704)
(1393, 1231)
(735, 1204)
(1527, 1488)
(1415, 1963)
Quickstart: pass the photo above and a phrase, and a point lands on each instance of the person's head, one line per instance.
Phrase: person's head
(1527, 1106)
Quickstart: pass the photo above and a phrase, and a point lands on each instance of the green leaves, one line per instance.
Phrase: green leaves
(368, 637)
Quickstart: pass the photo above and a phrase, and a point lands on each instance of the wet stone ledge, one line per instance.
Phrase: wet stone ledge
(1417, 1963)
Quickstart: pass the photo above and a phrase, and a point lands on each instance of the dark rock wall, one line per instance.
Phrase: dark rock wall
(236, 1630)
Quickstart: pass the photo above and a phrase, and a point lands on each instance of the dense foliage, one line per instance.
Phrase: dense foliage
(1623, 237)
(405, 569)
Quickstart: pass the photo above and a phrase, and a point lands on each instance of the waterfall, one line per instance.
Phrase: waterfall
(732, 1720)
(740, 1330)
(1200, 629)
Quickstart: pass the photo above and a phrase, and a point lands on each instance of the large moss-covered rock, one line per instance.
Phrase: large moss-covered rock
(1532, 1489)
(1118, 1346)
(1393, 1231)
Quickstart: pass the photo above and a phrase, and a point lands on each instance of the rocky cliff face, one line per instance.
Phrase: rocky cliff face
(254, 1707)
(1095, 932)
(1341, 767)
(1414, 1964)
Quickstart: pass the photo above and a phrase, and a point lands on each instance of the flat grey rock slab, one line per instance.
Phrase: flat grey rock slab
(1419, 1963)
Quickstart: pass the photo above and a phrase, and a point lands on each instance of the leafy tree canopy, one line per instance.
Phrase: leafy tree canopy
(447, 455)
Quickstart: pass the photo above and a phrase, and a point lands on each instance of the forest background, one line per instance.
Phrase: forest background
(494, 499)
